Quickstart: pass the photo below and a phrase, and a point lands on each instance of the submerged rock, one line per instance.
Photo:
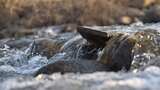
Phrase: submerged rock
(45, 47)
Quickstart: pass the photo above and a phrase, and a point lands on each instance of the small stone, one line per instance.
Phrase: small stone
(126, 20)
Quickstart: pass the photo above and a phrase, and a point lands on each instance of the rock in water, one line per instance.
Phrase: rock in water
(117, 53)
(146, 48)
(93, 36)
(46, 47)
(74, 66)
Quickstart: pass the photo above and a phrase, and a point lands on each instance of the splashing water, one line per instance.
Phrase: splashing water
(19, 62)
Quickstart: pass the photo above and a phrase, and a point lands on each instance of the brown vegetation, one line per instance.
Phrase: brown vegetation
(36, 13)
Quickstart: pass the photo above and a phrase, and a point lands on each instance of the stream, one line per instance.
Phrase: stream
(22, 57)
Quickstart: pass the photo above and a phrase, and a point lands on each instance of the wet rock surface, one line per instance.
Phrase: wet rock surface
(73, 66)
(117, 53)
(146, 48)
(94, 36)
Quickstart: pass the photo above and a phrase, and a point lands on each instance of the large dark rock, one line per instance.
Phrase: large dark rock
(117, 52)
(74, 66)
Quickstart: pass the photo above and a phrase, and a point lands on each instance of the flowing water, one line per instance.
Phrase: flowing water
(17, 66)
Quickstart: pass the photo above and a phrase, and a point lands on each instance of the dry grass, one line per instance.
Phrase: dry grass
(37, 13)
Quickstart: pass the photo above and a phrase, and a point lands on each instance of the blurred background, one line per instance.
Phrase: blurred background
(37, 13)
(15, 14)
